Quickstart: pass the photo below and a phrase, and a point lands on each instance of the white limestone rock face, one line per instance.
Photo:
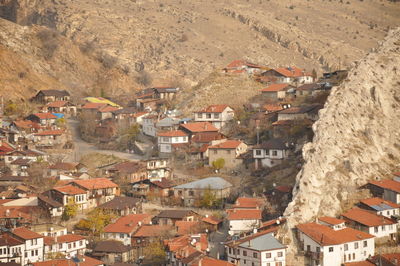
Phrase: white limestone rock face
(357, 137)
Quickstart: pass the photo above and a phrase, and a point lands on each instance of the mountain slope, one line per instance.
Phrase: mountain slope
(357, 137)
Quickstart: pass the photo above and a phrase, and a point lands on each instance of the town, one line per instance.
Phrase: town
(92, 181)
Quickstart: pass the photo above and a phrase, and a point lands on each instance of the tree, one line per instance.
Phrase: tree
(209, 199)
(60, 122)
(218, 163)
(314, 74)
(154, 253)
(11, 108)
(96, 221)
(70, 211)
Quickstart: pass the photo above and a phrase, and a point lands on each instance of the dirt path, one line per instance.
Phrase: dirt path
(82, 147)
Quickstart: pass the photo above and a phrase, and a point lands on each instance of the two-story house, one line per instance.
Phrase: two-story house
(198, 128)
(11, 249)
(278, 91)
(44, 119)
(218, 115)
(387, 189)
(69, 245)
(168, 141)
(243, 220)
(158, 168)
(63, 107)
(45, 96)
(324, 245)
(70, 194)
(270, 153)
(33, 244)
(229, 150)
(381, 207)
(289, 75)
(300, 112)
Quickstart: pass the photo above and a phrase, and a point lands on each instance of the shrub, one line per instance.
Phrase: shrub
(218, 163)
(50, 41)
(144, 78)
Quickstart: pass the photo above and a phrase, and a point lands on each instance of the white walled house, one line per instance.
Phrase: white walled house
(370, 222)
(390, 188)
(324, 246)
(149, 125)
(49, 229)
(218, 115)
(243, 220)
(168, 140)
(381, 207)
(289, 75)
(256, 250)
(270, 153)
(34, 244)
(68, 245)
(11, 248)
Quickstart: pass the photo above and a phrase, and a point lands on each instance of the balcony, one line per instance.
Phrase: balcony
(314, 255)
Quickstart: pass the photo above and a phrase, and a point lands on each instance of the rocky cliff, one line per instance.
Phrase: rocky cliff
(357, 137)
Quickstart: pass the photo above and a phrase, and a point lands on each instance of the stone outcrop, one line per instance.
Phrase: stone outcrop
(357, 138)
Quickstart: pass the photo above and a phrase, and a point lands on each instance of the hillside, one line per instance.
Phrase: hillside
(356, 138)
(186, 40)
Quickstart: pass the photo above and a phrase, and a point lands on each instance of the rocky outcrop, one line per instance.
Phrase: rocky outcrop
(357, 137)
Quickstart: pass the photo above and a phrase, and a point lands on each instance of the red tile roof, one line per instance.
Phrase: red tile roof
(360, 263)
(70, 190)
(207, 261)
(93, 105)
(95, 183)
(188, 227)
(49, 240)
(88, 261)
(249, 203)
(107, 109)
(276, 87)
(127, 224)
(378, 201)
(26, 124)
(239, 214)
(272, 107)
(212, 220)
(19, 212)
(57, 104)
(173, 133)
(228, 144)
(387, 184)
(25, 233)
(45, 116)
(331, 220)
(325, 236)
(5, 148)
(367, 218)
(292, 72)
(57, 132)
(152, 230)
(207, 137)
(216, 108)
(199, 127)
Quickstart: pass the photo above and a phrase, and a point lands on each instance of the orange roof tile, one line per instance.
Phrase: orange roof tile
(324, 235)
(152, 230)
(212, 220)
(367, 218)
(379, 201)
(188, 227)
(26, 124)
(387, 184)
(50, 132)
(360, 263)
(249, 203)
(70, 190)
(57, 104)
(127, 224)
(107, 109)
(88, 261)
(272, 107)
(240, 214)
(49, 240)
(216, 108)
(45, 116)
(93, 105)
(25, 233)
(207, 261)
(95, 183)
(173, 133)
(199, 127)
(292, 72)
(228, 144)
(331, 220)
(275, 87)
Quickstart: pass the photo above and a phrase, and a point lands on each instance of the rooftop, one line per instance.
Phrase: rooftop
(111, 246)
(249, 202)
(228, 144)
(25, 233)
(120, 203)
(331, 220)
(173, 133)
(276, 87)
(199, 127)
(205, 183)
(387, 184)
(263, 242)
(174, 214)
(243, 214)
(217, 108)
(127, 224)
(70, 190)
(95, 183)
(379, 204)
(367, 218)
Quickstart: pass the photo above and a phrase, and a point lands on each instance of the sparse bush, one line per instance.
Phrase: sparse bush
(87, 47)
(107, 60)
(144, 78)
(50, 41)
(184, 38)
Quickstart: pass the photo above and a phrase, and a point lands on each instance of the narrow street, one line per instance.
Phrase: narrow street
(82, 147)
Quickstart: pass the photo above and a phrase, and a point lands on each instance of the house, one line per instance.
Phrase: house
(44, 119)
(128, 171)
(65, 168)
(249, 203)
(123, 229)
(208, 261)
(33, 244)
(158, 168)
(19, 167)
(192, 192)
(165, 93)
(332, 222)
(45, 96)
(52, 207)
(289, 75)
(50, 138)
(48, 229)
(90, 109)
(324, 245)
(75, 261)
(63, 107)
(189, 227)
(261, 249)
(25, 127)
(170, 217)
(105, 112)
(168, 141)
(32, 155)
(218, 115)
(388, 189)
(113, 251)
(159, 188)
(148, 127)
(309, 89)
(70, 194)
(70, 245)
(122, 206)
(197, 128)
(278, 91)
(243, 220)
(129, 115)
(270, 153)
(13, 216)
(370, 222)
(239, 66)
(186, 249)
(270, 108)
(149, 233)
(12, 249)
(300, 113)
(381, 207)
(229, 150)
(100, 190)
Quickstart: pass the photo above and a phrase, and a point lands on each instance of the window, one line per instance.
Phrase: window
(356, 245)
(391, 227)
(244, 261)
(280, 254)
(228, 151)
(308, 248)
(354, 256)
(255, 255)
(330, 249)
(199, 115)
(274, 153)
(383, 227)
(74, 244)
(208, 116)
(69, 246)
(244, 253)
(60, 246)
(216, 116)
(365, 243)
(215, 151)
(318, 249)
(36, 252)
(26, 254)
(176, 139)
(34, 241)
(346, 247)
(230, 250)
(376, 229)
(32, 253)
(268, 255)
(258, 152)
(191, 193)
(349, 256)
(1, 251)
